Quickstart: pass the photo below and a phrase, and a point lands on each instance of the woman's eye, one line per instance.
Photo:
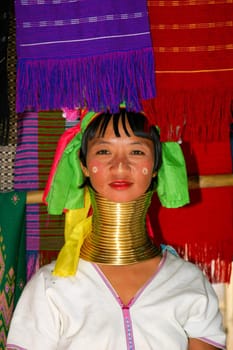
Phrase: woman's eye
(138, 153)
(102, 151)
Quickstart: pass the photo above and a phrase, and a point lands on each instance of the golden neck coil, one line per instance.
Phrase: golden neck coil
(119, 235)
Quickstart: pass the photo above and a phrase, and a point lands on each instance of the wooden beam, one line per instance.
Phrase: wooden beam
(205, 181)
(198, 181)
(34, 197)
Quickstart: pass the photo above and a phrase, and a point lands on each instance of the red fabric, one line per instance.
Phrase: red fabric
(202, 231)
(66, 137)
(193, 49)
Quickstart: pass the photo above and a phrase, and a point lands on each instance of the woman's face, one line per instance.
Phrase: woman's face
(120, 168)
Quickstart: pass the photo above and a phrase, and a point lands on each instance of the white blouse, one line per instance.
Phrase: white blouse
(85, 313)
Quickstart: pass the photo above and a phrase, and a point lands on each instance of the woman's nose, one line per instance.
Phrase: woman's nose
(120, 164)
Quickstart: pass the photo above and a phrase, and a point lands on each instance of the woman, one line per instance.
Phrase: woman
(111, 287)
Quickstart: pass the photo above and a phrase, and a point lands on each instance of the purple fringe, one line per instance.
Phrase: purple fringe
(32, 263)
(98, 83)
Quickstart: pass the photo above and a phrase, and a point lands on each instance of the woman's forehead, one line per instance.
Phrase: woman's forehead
(124, 140)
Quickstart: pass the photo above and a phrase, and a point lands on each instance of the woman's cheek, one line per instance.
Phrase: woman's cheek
(95, 168)
(145, 171)
(146, 168)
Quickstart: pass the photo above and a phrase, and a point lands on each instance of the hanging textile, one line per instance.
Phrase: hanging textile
(7, 150)
(202, 232)
(83, 54)
(26, 160)
(50, 127)
(38, 134)
(192, 42)
(26, 178)
(11, 74)
(12, 256)
(193, 49)
(231, 140)
(4, 108)
(7, 156)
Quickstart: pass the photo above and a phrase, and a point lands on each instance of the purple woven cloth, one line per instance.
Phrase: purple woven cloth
(26, 178)
(83, 53)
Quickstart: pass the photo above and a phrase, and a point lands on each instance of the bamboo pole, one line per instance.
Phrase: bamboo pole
(194, 182)
(34, 197)
(205, 181)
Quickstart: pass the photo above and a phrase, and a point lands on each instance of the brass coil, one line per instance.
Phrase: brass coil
(119, 235)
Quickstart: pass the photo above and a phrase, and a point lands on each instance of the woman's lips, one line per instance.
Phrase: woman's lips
(120, 184)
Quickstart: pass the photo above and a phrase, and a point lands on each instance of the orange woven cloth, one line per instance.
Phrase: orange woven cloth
(193, 48)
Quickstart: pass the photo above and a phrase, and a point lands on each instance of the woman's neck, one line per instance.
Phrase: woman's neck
(119, 235)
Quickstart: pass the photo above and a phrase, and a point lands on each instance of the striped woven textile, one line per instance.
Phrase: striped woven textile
(37, 139)
(193, 47)
(79, 54)
(26, 179)
(26, 160)
(50, 127)
(7, 157)
(4, 108)
(9, 137)
(11, 75)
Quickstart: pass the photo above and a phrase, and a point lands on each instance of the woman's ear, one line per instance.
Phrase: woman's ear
(84, 170)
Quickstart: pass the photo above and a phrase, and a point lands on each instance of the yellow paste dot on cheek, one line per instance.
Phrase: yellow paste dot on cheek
(145, 171)
(94, 169)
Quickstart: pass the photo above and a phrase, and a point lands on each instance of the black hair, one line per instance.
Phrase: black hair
(138, 123)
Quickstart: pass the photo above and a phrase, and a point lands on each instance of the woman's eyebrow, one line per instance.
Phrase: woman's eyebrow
(138, 143)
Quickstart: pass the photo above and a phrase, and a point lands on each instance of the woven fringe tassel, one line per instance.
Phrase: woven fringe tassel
(212, 260)
(200, 116)
(32, 263)
(47, 256)
(99, 83)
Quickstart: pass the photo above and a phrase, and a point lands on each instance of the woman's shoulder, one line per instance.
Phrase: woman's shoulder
(46, 269)
(174, 263)
(44, 273)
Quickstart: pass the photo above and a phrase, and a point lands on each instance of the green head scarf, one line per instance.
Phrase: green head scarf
(63, 190)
